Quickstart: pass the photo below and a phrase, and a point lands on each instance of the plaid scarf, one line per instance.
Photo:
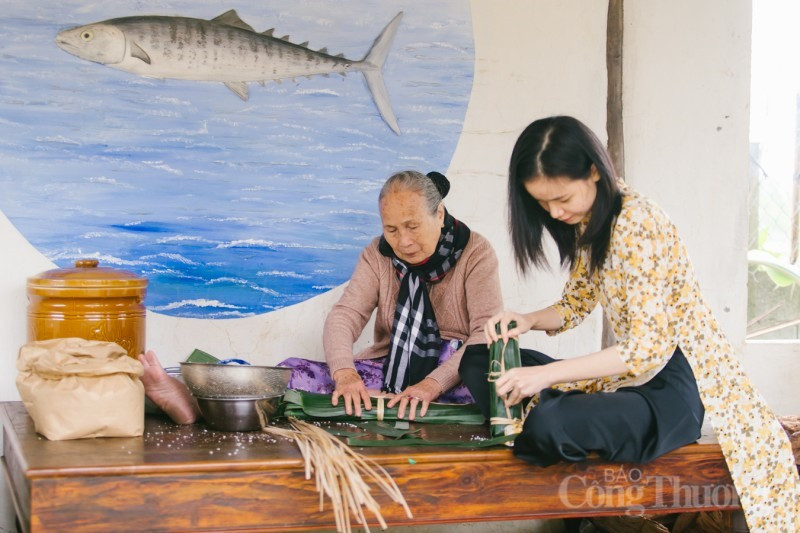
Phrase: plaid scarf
(415, 342)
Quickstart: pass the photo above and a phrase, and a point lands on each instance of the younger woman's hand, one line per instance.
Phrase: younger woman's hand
(519, 383)
(351, 388)
(523, 321)
(419, 395)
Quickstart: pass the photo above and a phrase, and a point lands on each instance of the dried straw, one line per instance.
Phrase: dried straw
(340, 473)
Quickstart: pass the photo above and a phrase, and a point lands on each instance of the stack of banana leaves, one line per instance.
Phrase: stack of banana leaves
(384, 421)
(310, 406)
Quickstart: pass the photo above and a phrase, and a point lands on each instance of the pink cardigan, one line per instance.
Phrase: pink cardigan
(463, 301)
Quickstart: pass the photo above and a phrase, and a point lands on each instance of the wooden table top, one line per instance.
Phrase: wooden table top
(166, 446)
(179, 478)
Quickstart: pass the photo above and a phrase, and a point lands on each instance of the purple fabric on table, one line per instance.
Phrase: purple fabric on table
(314, 376)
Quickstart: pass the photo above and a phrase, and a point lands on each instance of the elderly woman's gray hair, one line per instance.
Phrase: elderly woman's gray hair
(411, 180)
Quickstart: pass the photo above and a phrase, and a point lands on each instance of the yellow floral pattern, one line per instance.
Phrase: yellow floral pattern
(649, 293)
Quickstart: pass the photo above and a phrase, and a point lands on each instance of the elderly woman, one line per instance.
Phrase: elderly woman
(434, 284)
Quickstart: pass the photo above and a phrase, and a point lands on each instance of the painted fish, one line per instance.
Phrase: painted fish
(223, 49)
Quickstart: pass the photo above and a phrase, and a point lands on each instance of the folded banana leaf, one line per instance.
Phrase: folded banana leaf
(419, 441)
(504, 419)
(312, 406)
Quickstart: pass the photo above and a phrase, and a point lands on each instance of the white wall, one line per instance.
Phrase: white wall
(534, 59)
(687, 107)
(687, 84)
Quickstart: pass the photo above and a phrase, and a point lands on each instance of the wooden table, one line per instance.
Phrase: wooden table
(179, 478)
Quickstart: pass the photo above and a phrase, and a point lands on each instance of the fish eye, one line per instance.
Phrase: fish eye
(87, 36)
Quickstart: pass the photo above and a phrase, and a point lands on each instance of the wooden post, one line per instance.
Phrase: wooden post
(795, 244)
(616, 138)
(614, 41)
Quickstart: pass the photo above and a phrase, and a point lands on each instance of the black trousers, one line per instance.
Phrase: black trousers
(632, 424)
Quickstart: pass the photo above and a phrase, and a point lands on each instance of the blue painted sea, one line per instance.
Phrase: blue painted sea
(230, 208)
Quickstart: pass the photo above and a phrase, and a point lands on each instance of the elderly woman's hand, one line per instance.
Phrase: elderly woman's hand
(524, 324)
(351, 388)
(419, 395)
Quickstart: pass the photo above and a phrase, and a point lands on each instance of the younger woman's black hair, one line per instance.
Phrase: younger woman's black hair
(552, 147)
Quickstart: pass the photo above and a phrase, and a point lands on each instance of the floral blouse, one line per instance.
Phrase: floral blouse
(649, 293)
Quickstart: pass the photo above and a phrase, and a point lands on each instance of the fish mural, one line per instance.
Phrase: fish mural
(229, 208)
(224, 49)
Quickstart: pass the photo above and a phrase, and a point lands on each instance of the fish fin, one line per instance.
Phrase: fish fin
(339, 55)
(285, 37)
(372, 66)
(138, 53)
(240, 88)
(269, 32)
(304, 45)
(323, 50)
(231, 18)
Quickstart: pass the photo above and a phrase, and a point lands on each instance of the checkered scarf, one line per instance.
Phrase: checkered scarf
(415, 342)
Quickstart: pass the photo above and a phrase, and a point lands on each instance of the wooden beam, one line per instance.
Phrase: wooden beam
(614, 122)
(614, 129)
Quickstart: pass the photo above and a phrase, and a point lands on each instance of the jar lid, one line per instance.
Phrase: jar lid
(87, 278)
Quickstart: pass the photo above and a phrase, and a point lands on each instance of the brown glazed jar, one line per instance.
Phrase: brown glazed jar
(88, 301)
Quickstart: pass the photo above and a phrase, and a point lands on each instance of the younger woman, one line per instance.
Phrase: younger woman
(643, 396)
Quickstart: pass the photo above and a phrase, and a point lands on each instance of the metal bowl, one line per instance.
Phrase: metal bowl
(230, 382)
(240, 414)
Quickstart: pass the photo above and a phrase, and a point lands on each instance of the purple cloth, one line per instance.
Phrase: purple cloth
(314, 376)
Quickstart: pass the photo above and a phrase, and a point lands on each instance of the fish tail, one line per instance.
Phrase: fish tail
(372, 68)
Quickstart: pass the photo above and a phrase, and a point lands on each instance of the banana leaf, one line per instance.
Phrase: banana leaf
(312, 406)
(504, 419)
(387, 430)
(199, 356)
(419, 441)
(401, 435)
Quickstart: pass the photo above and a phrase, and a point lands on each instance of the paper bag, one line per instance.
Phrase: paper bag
(76, 388)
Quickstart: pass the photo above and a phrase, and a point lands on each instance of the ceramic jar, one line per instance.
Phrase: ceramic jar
(88, 301)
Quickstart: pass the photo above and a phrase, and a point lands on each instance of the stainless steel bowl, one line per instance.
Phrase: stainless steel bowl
(210, 380)
(240, 414)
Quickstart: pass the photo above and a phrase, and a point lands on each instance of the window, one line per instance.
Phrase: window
(774, 243)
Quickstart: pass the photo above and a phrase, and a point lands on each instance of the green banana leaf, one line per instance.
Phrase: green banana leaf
(312, 406)
(199, 356)
(502, 358)
(387, 430)
(419, 441)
